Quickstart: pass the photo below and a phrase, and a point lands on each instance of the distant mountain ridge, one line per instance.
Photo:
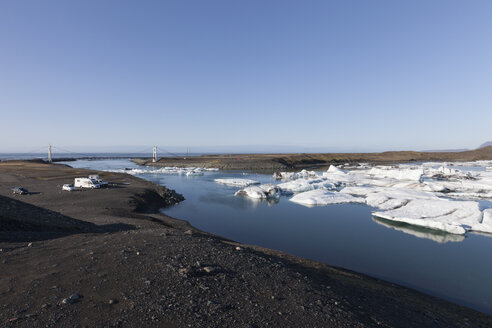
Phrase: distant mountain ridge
(445, 150)
(488, 143)
(485, 144)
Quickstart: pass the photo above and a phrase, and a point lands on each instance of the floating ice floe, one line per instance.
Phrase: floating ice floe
(398, 174)
(419, 232)
(486, 225)
(448, 173)
(324, 197)
(237, 182)
(301, 185)
(189, 171)
(194, 173)
(456, 217)
(336, 174)
(335, 170)
(294, 175)
(386, 198)
(260, 192)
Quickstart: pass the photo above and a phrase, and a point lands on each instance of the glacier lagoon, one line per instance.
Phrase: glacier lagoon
(452, 266)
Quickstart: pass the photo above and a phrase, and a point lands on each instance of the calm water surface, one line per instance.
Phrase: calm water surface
(453, 267)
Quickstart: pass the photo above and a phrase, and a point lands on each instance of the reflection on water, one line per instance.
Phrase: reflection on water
(434, 235)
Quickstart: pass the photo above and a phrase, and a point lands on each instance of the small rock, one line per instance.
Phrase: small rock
(208, 269)
(72, 299)
(112, 301)
(188, 232)
(238, 248)
(75, 297)
(184, 270)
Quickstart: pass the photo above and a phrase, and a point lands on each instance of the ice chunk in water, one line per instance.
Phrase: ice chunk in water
(260, 192)
(324, 197)
(301, 185)
(486, 224)
(335, 170)
(237, 182)
(441, 214)
(397, 173)
(419, 232)
(294, 175)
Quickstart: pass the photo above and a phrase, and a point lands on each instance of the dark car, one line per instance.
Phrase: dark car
(20, 191)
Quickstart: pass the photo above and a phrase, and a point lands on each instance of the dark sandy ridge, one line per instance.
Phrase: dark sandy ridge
(130, 266)
(286, 162)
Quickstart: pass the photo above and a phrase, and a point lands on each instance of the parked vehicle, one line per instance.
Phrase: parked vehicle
(86, 183)
(68, 187)
(20, 191)
(98, 180)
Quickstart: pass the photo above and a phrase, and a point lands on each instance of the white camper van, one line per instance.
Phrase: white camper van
(99, 181)
(86, 183)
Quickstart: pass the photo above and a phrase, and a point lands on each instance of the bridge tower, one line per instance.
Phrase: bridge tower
(154, 154)
(49, 154)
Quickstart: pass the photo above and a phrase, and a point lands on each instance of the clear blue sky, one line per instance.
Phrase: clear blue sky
(332, 75)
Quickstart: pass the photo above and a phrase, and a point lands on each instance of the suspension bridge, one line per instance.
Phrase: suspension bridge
(55, 153)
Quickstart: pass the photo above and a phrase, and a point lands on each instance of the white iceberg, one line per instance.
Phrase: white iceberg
(434, 235)
(358, 191)
(189, 171)
(486, 224)
(237, 182)
(260, 192)
(385, 198)
(301, 185)
(444, 172)
(384, 203)
(195, 172)
(335, 170)
(397, 173)
(324, 197)
(294, 175)
(456, 217)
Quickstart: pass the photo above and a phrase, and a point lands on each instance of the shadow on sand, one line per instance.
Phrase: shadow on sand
(23, 222)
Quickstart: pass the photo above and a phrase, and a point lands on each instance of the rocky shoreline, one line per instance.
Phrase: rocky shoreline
(108, 258)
